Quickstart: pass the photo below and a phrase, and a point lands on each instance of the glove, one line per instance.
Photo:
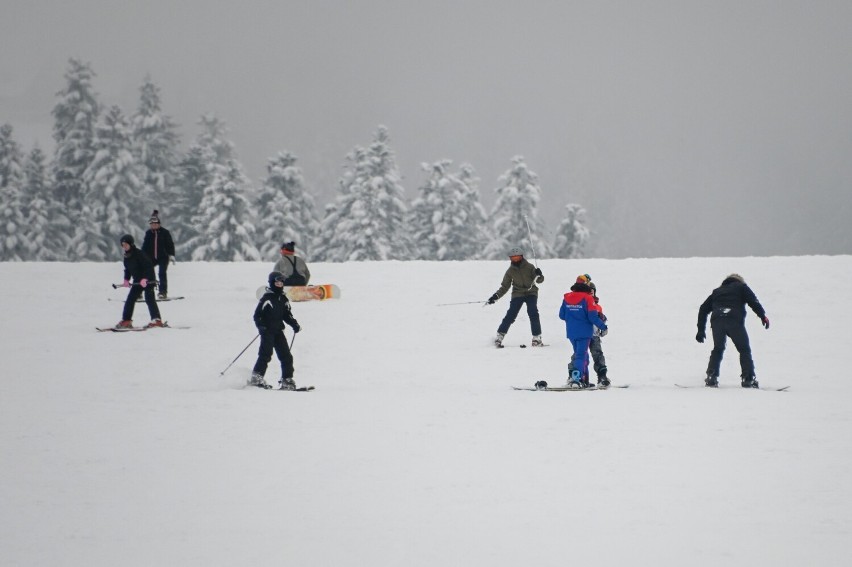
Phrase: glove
(143, 282)
(538, 272)
(172, 260)
(604, 331)
(700, 336)
(765, 322)
(125, 283)
(296, 327)
(492, 299)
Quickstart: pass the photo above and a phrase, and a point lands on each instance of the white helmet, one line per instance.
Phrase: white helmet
(516, 251)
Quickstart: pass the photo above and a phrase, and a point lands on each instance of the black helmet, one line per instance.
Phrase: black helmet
(126, 238)
(274, 277)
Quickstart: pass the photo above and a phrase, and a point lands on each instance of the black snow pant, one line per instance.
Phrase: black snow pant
(269, 341)
(723, 328)
(162, 281)
(515, 307)
(135, 291)
(597, 356)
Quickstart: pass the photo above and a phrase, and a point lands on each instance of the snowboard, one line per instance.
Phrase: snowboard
(306, 292)
(768, 389)
(567, 389)
(136, 329)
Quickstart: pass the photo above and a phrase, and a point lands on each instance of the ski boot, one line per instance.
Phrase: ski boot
(155, 323)
(749, 382)
(124, 324)
(576, 380)
(287, 384)
(541, 385)
(711, 381)
(536, 341)
(498, 340)
(258, 381)
(603, 381)
(162, 295)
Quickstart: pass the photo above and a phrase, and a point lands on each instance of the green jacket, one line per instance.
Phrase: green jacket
(522, 280)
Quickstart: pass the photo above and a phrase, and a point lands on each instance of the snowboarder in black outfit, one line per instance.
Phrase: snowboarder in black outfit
(138, 267)
(521, 277)
(726, 308)
(160, 247)
(293, 267)
(272, 311)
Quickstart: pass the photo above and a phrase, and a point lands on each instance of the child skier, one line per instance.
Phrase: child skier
(521, 277)
(272, 311)
(595, 348)
(138, 267)
(581, 317)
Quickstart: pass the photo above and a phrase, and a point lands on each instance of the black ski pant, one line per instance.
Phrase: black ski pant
(723, 328)
(515, 307)
(597, 356)
(162, 281)
(137, 290)
(269, 341)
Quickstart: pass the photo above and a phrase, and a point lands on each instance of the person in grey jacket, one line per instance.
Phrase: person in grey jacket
(293, 267)
(521, 277)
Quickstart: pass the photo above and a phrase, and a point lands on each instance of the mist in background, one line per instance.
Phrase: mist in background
(685, 128)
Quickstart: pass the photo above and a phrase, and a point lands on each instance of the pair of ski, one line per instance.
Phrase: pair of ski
(521, 346)
(142, 299)
(769, 389)
(589, 388)
(135, 329)
(270, 387)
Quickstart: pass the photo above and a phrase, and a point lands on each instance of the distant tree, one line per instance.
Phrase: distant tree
(447, 221)
(155, 144)
(48, 228)
(572, 236)
(13, 215)
(115, 192)
(225, 221)
(516, 205)
(367, 220)
(285, 210)
(75, 117)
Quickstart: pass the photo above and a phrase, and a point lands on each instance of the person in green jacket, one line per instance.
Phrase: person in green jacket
(521, 277)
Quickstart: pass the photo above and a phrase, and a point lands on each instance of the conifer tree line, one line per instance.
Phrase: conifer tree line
(111, 169)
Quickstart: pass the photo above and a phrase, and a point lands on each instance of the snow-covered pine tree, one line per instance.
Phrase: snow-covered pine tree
(48, 229)
(13, 216)
(572, 236)
(225, 219)
(285, 210)
(115, 194)
(446, 220)
(517, 203)
(155, 144)
(75, 117)
(367, 221)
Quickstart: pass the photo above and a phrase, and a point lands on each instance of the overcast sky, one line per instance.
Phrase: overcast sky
(686, 128)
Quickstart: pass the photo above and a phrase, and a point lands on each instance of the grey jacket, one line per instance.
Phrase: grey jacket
(521, 279)
(286, 265)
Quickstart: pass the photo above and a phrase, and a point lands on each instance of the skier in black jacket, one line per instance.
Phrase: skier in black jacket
(272, 311)
(726, 308)
(160, 247)
(138, 267)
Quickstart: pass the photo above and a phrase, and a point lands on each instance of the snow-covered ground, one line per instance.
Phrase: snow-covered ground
(131, 449)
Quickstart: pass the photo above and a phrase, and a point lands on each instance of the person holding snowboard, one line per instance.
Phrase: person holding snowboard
(581, 317)
(726, 308)
(293, 267)
(521, 277)
(272, 311)
(595, 348)
(160, 248)
(138, 267)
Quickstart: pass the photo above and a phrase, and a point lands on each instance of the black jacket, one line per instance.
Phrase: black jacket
(728, 301)
(273, 310)
(137, 265)
(158, 245)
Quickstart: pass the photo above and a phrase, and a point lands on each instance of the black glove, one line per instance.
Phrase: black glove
(538, 272)
(765, 322)
(604, 332)
(492, 299)
(296, 327)
(700, 336)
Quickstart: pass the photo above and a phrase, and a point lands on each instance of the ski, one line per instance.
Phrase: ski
(522, 346)
(137, 329)
(767, 389)
(567, 389)
(142, 299)
(301, 389)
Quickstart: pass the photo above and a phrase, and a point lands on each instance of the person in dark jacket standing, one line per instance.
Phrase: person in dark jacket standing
(160, 247)
(581, 316)
(521, 277)
(272, 311)
(726, 308)
(138, 267)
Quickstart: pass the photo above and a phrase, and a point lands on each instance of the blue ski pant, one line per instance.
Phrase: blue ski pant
(598, 358)
(580, 358)
(515, 305)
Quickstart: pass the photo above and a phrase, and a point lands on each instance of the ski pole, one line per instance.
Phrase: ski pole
(239, 355)
(461, 303)
(529, 232)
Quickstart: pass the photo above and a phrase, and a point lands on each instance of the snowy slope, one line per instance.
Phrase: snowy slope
(132, 449)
